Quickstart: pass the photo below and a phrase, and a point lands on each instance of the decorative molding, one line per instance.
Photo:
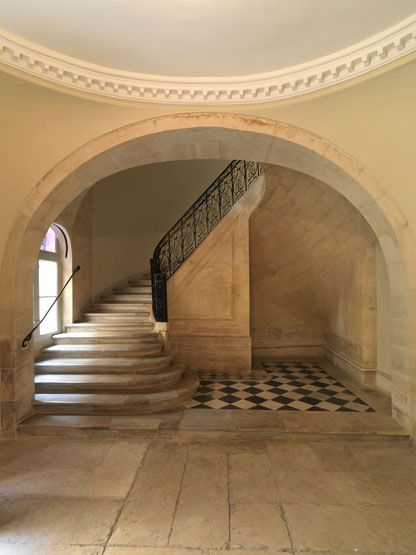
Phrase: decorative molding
(358, 59)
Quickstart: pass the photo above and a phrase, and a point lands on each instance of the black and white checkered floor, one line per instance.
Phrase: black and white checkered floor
(299, 386)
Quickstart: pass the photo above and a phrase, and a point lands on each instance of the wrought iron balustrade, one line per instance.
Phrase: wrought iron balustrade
(195, 225)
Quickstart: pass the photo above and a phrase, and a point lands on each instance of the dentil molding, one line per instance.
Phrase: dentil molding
(358, 59)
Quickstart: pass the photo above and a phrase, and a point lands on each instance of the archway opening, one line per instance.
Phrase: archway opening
(212, 136)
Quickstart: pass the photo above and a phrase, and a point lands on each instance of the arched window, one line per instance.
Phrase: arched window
(53, 264)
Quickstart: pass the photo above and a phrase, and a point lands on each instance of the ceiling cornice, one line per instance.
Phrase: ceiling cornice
(354, 61)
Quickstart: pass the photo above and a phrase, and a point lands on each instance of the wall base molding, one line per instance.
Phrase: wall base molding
(366, 376)
(384, 381)
(301, 351)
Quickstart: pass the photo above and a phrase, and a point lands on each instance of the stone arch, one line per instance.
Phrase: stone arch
(209, 136)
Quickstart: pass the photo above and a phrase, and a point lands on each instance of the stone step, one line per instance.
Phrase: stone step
(107, 350)
(120, 297)
(140, 282)
(117, 317)
(108, 383)
(132, 289)
(138, 365)
(137, 308)
(98, 337)
(180, 428)
(144, 327)
(117, 403)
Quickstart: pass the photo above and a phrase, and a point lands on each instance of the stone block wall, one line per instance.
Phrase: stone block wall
(208, 296)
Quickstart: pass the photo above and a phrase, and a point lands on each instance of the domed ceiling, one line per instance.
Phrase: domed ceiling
(203, 50)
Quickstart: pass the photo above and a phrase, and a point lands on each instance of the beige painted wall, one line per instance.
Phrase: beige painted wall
(373, 121)
(132, 210)
(312, 271)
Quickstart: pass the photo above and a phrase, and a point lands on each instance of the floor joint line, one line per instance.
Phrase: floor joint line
(139, 469)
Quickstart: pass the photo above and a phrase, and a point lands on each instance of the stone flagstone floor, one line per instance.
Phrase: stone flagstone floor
(138, 497)
(211, 482)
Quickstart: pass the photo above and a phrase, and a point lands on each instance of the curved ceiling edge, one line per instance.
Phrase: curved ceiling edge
(356, 60)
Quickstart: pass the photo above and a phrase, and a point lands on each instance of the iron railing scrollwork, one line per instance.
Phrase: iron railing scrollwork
(195, 225)
(159, 292)
(30, 334)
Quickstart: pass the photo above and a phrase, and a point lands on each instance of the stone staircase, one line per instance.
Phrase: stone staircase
(113, 362)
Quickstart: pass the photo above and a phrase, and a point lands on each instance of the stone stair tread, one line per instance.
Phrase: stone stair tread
(113, 398)
(126, 316)
(139, 297)
(139, 308)
(103, 378)
(102, 350)
(122, 325)
(130, 290)
(133, 291)
(120, 292)
(105, 318)
(108, 382)
(98, 347)
(149, 336)
(108, 328)
(98, 361)
(189, 382)
(122, 300)
(117, 305)
(149, 364)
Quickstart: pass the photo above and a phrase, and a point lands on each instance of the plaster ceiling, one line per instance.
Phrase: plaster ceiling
(213, 51)
(200, 38)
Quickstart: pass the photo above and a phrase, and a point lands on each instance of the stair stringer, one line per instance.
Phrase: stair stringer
(209, 295)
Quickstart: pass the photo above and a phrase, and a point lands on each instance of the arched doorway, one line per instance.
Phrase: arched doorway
(192, 136)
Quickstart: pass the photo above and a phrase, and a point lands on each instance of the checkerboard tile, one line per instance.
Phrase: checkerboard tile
(299, 386)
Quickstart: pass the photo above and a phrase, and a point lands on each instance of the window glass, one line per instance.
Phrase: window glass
(50, 323)
(48, 290)
(49, 241)
(48, 278)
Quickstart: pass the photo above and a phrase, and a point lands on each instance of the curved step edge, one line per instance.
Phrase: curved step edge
(108, 383)
(100, 403)
(74, 365)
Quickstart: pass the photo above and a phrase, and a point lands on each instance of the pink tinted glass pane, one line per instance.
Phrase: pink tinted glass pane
(49, 241)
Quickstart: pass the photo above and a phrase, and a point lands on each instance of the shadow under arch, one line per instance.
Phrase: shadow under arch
(205, 136)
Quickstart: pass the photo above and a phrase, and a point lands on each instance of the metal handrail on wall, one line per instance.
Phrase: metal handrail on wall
(32, 331)
(195, 225)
